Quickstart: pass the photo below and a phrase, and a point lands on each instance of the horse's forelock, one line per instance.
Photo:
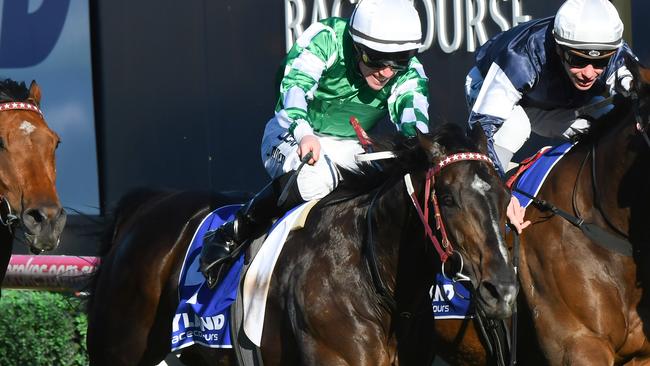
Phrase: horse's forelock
(11, 90)
(453, 138)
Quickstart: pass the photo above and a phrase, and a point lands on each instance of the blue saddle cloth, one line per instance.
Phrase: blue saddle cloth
(203, 315)
(450, 300)
(533, 178)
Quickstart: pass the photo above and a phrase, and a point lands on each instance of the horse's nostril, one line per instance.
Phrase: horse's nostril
(37, 215)
(502, 291)
(491, 290)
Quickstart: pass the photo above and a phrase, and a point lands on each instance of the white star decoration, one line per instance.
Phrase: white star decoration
(15, 106)
(462, 157)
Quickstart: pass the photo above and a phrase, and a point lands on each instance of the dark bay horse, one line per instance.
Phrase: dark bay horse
(325, 305)
(585, 301)
(28, 197)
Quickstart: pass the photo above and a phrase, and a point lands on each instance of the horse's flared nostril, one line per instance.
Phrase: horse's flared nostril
(494, 293)
(34, 218)
(36, 215)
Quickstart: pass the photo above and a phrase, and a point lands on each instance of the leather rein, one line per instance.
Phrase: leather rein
(7, 216)
(618, 242)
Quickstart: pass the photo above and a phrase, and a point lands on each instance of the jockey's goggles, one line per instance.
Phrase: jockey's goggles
(581, 58)
(398, 61)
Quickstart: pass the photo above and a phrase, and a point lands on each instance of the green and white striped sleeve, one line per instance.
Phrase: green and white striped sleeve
(408, 103)
(313, 53)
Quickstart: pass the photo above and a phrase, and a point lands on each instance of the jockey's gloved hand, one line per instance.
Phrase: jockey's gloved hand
(623, 85)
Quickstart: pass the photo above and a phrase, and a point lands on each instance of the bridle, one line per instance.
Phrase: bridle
(7, 216)
(443, 246)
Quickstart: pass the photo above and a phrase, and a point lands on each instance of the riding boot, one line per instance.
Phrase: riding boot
(256, 217)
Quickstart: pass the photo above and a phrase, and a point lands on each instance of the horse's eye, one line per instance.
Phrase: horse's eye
(2, 144)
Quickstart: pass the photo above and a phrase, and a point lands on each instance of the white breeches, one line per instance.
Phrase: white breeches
(516, 129)
(280, 155)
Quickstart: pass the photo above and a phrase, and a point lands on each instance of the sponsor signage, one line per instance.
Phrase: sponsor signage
(51, 272)
(448, 24)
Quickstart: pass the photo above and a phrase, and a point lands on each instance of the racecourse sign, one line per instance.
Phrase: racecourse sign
(468, 20)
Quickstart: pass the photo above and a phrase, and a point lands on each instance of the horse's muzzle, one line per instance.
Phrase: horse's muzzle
(497, 298)
(43, 227)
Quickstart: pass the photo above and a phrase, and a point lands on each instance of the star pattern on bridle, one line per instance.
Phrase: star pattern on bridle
(7, 217)
(460, 157)
(443, 246)
(20, 106)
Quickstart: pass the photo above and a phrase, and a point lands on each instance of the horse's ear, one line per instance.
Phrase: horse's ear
(640, 74)
(35, 93)
(433, 149)
(644, 75)
(478, 136)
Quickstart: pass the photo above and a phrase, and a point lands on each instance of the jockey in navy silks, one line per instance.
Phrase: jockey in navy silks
(338, 68)
(535, 75)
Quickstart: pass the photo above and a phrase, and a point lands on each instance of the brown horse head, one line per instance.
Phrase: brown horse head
(473, 202)
(27, 167)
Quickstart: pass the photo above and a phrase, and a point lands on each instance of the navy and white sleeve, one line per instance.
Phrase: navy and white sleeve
(494, 104)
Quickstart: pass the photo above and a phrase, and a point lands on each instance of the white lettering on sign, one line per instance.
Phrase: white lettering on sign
(436, 292)
(42, 268)
(216, 322)
(467, 17)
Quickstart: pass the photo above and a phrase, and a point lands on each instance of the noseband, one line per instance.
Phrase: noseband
(7, 217)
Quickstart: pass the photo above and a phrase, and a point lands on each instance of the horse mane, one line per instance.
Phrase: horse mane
(410, 156)
(601, 125)
(126, 204)
(13, 91)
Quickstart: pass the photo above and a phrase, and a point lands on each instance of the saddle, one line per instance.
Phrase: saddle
(513, 175)
(206, 316)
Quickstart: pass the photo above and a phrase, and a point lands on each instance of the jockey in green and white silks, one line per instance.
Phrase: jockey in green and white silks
(338, 68)
(322, 87)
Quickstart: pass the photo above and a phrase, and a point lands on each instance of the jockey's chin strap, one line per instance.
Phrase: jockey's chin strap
(443, 246)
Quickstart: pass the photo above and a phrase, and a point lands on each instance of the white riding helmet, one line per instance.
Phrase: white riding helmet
(386, 25)
(588, 25)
